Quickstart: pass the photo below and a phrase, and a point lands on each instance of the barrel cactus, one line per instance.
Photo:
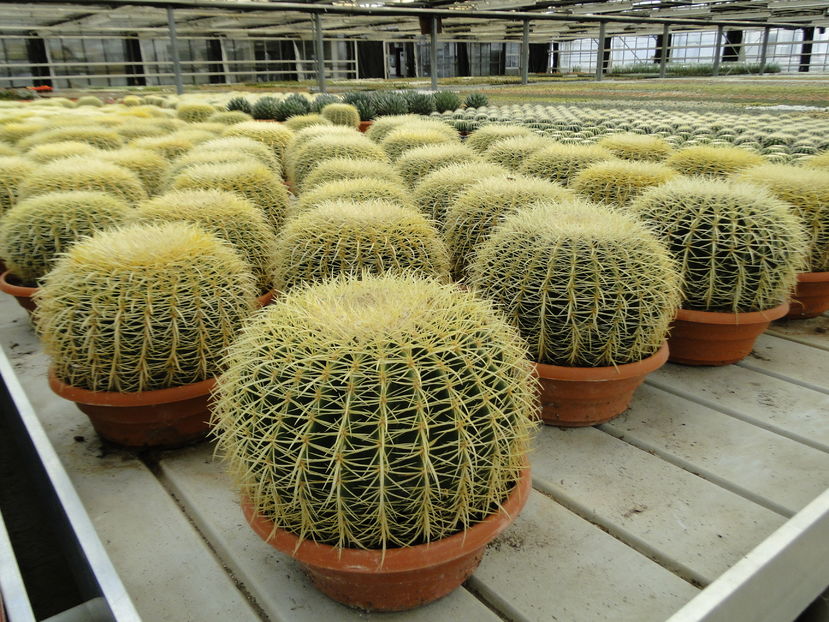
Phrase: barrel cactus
(98, 137)
(194, 112)
(342, 114)
(617, 182)
(439, 189)
(806, 191)
(198, 157)
(819, 161)
(322, 148)
(250, 180)
(416, 163)
(512, 153)
(143, 307)
(482, 206)
(169, 146)
(149, 166)
(302, 121)
(13, 170)
(636, 147)
(55, 151)
(561, 163)
(245, 146)
(229, 117)
(79, 173)
(377, 354)
(383, 125)
(482, 139)
(360, 189)
(355, 237)
(265, 108)
(322, 100)
(713, 161)
(36, 230)
(274, 135)
(293, 105)
(337, 169)
(90, 100)
(738, 247)
(585, 286)
(362, 102)
(225, 215)
(410, 136)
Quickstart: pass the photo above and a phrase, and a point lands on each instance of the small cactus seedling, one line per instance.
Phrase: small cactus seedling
(738, 247)
(337, 169)
(413, 402)
(341, 237)
(342, 114)
(713, 161)
(807, 193)
(416, 163)
(617, 182)
(636, 147)
(585, 286)
(36, 230)
(482, 139)
(561, 163)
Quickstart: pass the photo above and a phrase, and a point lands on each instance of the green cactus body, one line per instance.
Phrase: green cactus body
(617, 182)
(250, 180)
(482, 206)
(238, 104)
(342, 114)
(482, 139)
(337, 169)
(438, 190)
(194, 112)
(225, 215)
(80, 173)
(713, 161)
(358, 190)
(342, 236)
(411, 136)
(414, 403)
(98, 137)
(246, 146)
(149, 166)
(274, 135)
(807, 192)
(636, 147)
(143, 307)
(561, 163)
(55, 151)
(34, 231)
(317, 150)
(382, 126)
(416, 163)
(302, 121)
(585, 286)
(512, 153)
(229, 117)
(738, 247)
(13, 170)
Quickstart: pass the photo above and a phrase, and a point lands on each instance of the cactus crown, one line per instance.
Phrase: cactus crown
(80, 173)
(617, 182)
(302, 121)
(411, 136)
(512, 153)
(359, 189)
(247, 146)
(439, 189)
(194, 112)
(248, 179)
(274, 135)
(385, 124)
(342, 114)
(714, 161)
(349, 237)
(482, 139)
(225, 215)
(149, 166)
(55, 151)
(35, 230)
(807, 193)
(416, 163)
(337, 169)
(143, 307)
(198, 157)
(413, 402)
(738, 247)
(482, 206)
(561, 163)
(13, 170)
(638, 147)
(311, 153)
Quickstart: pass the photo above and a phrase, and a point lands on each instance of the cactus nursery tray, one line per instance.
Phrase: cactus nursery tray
(706, 500)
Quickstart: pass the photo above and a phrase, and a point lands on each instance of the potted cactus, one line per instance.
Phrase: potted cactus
(593, 292)
(352, 417)
(136, 321)
(739, 249)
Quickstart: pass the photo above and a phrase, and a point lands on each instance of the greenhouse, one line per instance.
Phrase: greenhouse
(414, 310)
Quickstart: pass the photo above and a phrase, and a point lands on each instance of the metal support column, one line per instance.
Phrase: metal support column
(663, 52)
(525, 53)
(764, 49)
(171, 25)
(600, 52)
(319, 52)
(433, 54)
(718, 51)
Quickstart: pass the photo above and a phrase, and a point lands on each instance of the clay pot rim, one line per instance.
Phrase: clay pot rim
(131, 399)
(15, 290)
(734, 319)
(401, 559)
(812, 277)
(607, 372)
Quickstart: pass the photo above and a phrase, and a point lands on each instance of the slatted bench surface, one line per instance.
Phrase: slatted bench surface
(627, 521)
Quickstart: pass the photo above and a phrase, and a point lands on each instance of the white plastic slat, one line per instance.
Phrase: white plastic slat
(686, 523)
(790, 361)
(812, 332)
(774, 471)
(275, 580)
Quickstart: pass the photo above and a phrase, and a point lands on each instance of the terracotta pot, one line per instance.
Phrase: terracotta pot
(162, 418)
(402, 578)
(584, 396)
(22, 293)
(716, 338)
(364, 125)
(811, 296)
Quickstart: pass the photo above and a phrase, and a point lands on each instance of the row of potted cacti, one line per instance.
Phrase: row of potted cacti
(379, 414)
